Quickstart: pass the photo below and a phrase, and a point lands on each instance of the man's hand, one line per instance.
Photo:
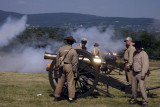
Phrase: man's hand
(127, 67)
(148, 73)
(142, 77)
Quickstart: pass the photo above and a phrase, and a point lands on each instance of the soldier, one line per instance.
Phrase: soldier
(82, 45)
(140, 68)
(96, 51)
(67, 58)
(128, 58)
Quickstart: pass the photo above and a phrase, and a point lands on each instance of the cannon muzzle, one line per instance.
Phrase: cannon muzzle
(49, 56)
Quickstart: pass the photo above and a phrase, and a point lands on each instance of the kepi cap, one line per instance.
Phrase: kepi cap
(128, 39)
(84, 39)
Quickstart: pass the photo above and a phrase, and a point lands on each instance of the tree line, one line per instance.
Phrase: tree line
(40, 37)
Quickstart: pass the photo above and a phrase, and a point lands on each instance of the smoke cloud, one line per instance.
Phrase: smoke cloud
(22, 59)
(11, 29)
(106, 39)
(29, 61)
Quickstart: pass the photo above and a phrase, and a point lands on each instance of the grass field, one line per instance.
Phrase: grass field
(21, 89)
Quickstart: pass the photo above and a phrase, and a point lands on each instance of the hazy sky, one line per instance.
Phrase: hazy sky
(118, 8)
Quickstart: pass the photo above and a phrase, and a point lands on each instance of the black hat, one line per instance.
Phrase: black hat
(138, 44)
(70, 38)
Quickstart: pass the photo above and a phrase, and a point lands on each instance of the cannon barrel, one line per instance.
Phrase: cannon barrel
(53, 56)
(49, 56)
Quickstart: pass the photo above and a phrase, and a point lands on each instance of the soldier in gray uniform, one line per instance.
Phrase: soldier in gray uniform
(128, 58)
(82, 45)
(67, 58)
(96, 51)
(140, 68)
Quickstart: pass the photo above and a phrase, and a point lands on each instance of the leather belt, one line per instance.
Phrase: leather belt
(66, 63)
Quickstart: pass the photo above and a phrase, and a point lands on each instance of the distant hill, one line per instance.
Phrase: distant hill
(76, 20)
(4, 15)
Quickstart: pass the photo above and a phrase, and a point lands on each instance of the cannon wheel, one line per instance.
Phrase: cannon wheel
(86, 77)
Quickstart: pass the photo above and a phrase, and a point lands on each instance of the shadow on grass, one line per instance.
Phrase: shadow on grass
(51, 94)
(95, 94)
(129, 95)
(139, 103)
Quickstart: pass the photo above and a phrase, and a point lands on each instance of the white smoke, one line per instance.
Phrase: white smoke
(29, 61)
(105, 39)
(11, 29)
(22, 59)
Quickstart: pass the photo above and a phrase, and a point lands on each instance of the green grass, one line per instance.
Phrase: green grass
(21, 89)
(154, 63)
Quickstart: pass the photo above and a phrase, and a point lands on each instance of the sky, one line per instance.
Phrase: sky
(110, 8)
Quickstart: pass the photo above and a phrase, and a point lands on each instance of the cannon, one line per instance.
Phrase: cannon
(88, 76)
(111, 63)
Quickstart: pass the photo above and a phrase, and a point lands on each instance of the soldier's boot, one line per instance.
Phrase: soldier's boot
(144, 103)
(57, 99)
(72, 100)
(132, 101)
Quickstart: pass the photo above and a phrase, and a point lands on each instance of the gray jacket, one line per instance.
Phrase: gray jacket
(141, 62)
